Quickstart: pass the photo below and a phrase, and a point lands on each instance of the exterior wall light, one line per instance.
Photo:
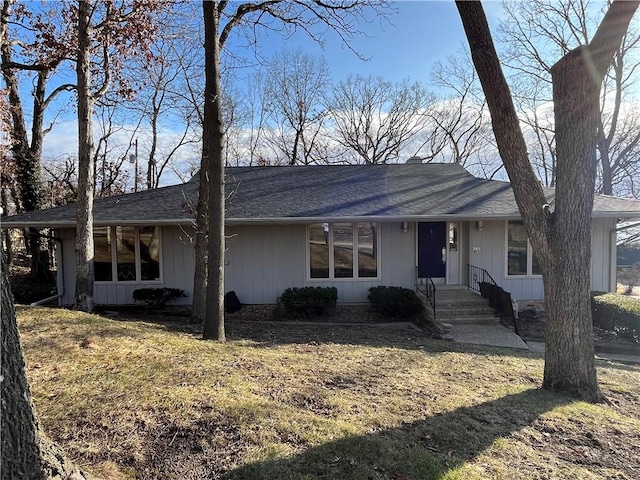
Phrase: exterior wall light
(480, 225)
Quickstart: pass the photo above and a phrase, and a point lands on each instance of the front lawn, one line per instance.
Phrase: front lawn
(134, 399)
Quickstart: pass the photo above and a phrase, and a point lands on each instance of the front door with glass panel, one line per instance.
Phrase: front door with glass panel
(432, 252)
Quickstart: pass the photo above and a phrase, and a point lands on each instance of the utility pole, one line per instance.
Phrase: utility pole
(133, 158)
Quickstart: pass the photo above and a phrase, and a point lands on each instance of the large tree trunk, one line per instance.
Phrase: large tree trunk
(21, 457)
(214, 138)
(199, 306)
(86, 167)
(560, 235)
(26, 453)
(569, 358)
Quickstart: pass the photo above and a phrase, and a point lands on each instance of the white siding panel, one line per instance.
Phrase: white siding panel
(177, 264)
(487, 250)
(68, 264)
(263, 261)
(178, 261)
(399, 260)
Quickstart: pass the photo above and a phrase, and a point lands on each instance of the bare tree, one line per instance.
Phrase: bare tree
(374, 118)
(221, 18)
(106, 33)
(164, 98)
(7, 172)
(296, 87)
(108, 157)
(255, 104)
(560, 234)
(36, 56)
(60, 181)
(26, 452)
(539, 31)
(457, 125)
(86, 166)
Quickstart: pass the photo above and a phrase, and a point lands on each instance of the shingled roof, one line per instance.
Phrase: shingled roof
(306, 193)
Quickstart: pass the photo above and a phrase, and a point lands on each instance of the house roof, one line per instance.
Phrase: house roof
(331, 193)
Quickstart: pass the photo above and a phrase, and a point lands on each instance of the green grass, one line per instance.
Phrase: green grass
(129, 399)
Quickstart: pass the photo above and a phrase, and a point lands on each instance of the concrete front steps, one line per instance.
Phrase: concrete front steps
(456, 305)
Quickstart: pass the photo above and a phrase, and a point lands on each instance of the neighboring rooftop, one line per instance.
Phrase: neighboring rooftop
(409, 191)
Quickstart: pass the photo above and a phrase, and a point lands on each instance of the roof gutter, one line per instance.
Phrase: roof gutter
(103, 223)
(387, 218)
(298, 220)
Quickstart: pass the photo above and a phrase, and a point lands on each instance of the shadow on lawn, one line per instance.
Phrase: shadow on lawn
(426, 449)
(613, 364)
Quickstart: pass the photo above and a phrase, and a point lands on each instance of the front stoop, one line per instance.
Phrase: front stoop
(458, 306)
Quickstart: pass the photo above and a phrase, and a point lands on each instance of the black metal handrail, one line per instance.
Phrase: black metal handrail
(480, 281)
(477, 276)
(429, 290)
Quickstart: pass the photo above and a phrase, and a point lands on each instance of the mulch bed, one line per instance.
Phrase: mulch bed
(339, 314)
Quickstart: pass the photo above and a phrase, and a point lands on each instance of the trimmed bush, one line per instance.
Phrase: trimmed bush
(307, 301)
(157, 297)
(395, 302)
(617, 313)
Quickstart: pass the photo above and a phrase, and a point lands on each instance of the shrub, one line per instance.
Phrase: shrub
(306, 301)
(617, 313)
(395, 302)
(157, 297)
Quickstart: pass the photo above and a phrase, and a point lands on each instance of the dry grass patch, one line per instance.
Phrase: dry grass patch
(129, 398)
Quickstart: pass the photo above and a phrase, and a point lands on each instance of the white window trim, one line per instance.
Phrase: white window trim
(331, 278)
(138, 264)
(506, 256)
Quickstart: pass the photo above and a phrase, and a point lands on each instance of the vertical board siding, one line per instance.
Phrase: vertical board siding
(266, 260)
(68, 264)
(263, 261)
(177, 269)
(178, 261)
(490, 254)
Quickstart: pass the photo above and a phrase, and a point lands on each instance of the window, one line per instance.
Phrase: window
(343, 250)
(102, 254)
(128, 254)
(453, 237)
(149, 245)
(520, 257)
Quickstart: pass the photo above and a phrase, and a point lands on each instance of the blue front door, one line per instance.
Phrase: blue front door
(432, 241)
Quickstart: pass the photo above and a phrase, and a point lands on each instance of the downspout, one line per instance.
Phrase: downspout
(613, 262)
(59, 274)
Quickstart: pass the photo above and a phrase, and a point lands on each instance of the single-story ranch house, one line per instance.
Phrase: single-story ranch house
(351, 227)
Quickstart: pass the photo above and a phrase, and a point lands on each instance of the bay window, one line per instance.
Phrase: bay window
(343, 250)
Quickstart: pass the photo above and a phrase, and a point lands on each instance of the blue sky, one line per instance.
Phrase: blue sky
(407, 44)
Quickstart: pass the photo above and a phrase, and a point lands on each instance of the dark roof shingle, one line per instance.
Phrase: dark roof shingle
(295, 193)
